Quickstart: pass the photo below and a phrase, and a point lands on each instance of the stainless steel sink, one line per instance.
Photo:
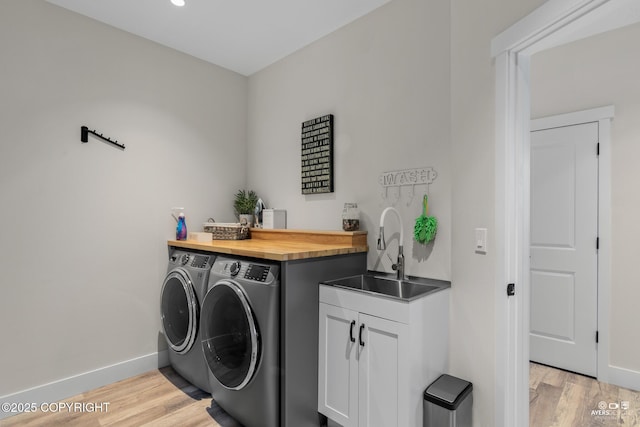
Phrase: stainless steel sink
(384, 286)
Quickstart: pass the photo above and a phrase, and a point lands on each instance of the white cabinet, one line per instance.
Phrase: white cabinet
(338, 366)
(380, 365)
(377, 355)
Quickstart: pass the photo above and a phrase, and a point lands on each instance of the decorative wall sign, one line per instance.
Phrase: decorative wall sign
(406, 178)
(317, 155)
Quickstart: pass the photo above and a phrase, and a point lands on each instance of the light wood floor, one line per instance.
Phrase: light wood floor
(157, 398)
(562, 399)
(162, 398)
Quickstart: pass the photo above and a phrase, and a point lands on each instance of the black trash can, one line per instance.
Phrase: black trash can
(447, 403)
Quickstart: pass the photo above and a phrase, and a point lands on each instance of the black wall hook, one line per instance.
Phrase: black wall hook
(84, 137)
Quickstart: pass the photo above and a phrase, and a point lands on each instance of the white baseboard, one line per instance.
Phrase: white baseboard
(623, 377)
(68, 387)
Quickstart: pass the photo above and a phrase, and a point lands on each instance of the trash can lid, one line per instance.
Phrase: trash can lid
(448, 391)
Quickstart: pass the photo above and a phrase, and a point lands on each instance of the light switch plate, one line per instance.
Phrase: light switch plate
(481, 240)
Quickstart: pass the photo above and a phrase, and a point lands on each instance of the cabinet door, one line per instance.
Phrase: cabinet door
(381, 346)
(338, 367)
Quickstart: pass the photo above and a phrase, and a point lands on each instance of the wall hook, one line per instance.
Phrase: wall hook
(411, 194)
(84, 137)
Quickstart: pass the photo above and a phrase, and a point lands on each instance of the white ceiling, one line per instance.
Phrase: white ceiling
(241, 35)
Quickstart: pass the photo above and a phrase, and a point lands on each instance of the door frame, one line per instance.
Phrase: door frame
(603, 116)
(553, 23)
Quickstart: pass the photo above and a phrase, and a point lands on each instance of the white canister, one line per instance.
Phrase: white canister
(274, 218)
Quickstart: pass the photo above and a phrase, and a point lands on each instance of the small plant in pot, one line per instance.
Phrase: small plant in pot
(244, 205)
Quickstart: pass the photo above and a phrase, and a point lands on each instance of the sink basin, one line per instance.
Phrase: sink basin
(393, 288)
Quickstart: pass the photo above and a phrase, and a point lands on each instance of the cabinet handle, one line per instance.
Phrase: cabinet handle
(351, 337)
(360, 335)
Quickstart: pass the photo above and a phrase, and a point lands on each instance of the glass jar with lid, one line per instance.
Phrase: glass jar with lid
(351, 217)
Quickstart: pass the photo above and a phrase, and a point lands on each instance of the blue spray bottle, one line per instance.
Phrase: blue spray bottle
(181, 229)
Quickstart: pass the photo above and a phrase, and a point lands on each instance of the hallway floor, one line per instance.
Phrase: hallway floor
(563, 399)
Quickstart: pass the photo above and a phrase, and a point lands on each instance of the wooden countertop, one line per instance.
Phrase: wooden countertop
(285, 245)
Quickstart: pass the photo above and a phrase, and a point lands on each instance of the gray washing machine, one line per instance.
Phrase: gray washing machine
(183, 291)
(240, 326)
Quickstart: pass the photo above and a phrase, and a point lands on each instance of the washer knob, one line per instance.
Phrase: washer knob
(234, 268)
(185, 259)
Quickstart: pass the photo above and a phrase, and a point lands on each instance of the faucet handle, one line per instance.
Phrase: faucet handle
(381, 243)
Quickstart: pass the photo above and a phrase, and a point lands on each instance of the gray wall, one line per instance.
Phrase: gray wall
(84, 226)
(385, 78)
(473, 26)
(594, 72)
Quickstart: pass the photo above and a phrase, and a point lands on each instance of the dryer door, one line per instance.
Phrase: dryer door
(179, 311)
(230, 338)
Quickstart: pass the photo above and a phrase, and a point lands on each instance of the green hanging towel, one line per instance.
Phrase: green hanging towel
(426, 226)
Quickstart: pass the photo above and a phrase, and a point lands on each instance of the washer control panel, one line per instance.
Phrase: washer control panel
(256, 272)
(244, 270)
(189, 259)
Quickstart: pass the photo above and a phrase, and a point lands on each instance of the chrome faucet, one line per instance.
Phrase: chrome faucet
(399, 265)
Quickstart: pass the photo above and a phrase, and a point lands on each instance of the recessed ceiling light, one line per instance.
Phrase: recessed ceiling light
(178, 2)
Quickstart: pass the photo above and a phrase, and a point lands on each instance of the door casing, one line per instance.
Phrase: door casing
(554, 23)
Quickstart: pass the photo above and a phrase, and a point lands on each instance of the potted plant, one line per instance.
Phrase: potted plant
(244, 204)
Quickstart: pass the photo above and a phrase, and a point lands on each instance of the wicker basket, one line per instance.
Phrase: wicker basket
(227, 231)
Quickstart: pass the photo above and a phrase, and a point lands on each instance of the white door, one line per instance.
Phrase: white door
(379, 343)
(564, 258)
(337, 365)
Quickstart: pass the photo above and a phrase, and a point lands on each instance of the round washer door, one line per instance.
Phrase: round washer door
(230, 338)
(179, 311)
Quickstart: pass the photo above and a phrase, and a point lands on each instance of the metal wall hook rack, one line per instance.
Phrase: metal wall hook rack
(84, 137)
(406, 178)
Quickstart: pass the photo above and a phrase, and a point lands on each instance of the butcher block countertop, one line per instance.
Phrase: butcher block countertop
(285, 245)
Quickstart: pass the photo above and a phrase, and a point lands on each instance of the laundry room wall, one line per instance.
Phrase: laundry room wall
(473, 291)
(411, 84)
(591, 73)
(84, 226)
(385, 78)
